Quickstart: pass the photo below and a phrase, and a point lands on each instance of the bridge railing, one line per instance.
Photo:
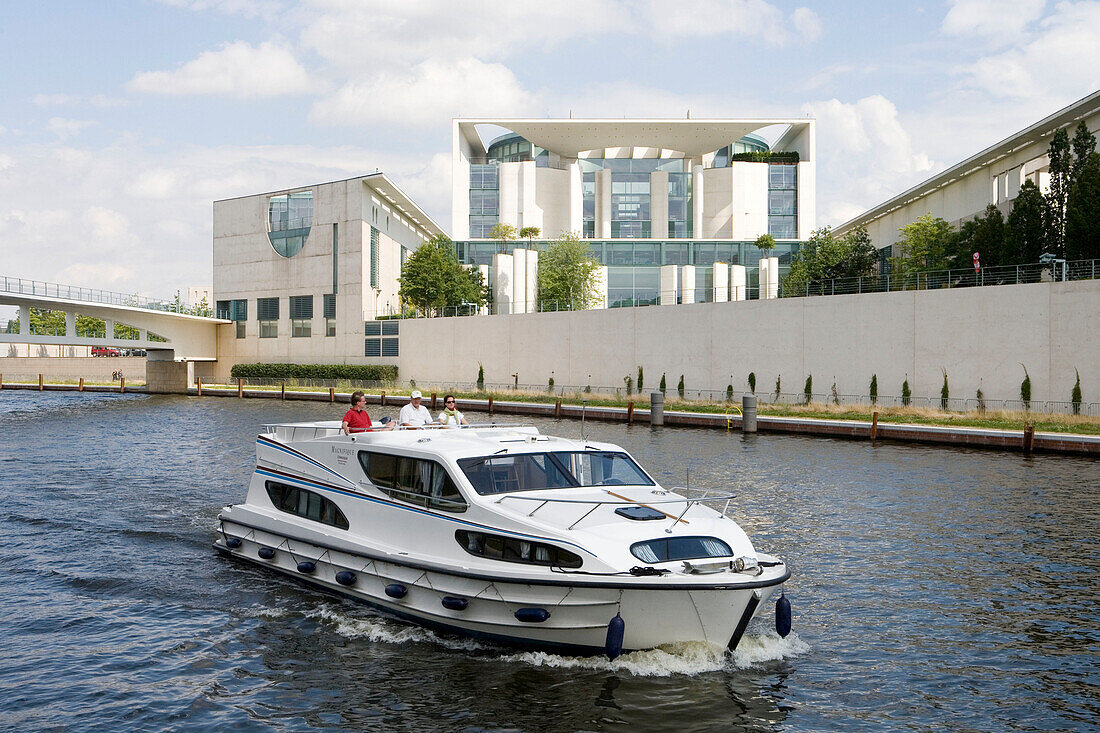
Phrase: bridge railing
(44, 289)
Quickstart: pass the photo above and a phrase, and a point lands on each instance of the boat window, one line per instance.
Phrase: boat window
(415, 480)
(512, 549)
(668, 549)
(304, 503)
(557, 470)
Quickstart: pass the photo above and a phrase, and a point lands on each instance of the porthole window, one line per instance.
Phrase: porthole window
(669, 549)
(513, 549)
(307, 504)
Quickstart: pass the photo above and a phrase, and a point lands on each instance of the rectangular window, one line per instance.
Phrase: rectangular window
(330, 314)
(390, 347)
(240, 329)
(301, 316)
(267, 313)
(390, 328)
(415, 480)
(484, 203)
(373, 257)
(372, 347)
(783, 201)
(372, 328)
(221, 310)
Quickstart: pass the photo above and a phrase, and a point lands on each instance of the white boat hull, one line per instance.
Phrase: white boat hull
(655, 613)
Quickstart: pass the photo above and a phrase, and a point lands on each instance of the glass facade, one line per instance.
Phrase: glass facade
(783, 201)
(679, 205)
(588, 204)
(289, 218)
(484, 198)
(630, 206)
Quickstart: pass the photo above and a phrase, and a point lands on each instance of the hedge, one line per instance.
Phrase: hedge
(765, 157)
(354, 372)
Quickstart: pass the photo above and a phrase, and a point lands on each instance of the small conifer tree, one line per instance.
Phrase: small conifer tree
(729, 393)
(945, 392)
(980, 396)
(836, 397)
(662, 384)
(752, 382)
(874, 389)
(778, 385)
(640, 385)
(629, 386)
(680, 387)
(1025, 389)
(1075, 396)
(480, 377)
(906, 393)
(550, 385)
(808, 390)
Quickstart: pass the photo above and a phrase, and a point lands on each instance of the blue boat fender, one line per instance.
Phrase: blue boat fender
(396, 590)
(532, 615)
(232, 542)
(266, 552)
(307, 566)
(345, 577)
(783, 616)
(616, 629)
(454, 603)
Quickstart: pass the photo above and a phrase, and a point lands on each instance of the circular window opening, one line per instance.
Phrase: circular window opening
(289, 218)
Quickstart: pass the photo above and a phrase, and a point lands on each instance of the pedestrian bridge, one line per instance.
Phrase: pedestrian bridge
(173, 341)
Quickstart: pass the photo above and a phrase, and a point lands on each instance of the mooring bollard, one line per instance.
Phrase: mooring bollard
(198, 386)
(748, 413)
(383, 399)
(80, 387)
(282, 390)
(557, 409)
(874, 425)
(40, 387)
(1029, 436)
(331, 394)
(433, 400)
(121, 385)
(630, 412)
(656, 408)
(240, 387)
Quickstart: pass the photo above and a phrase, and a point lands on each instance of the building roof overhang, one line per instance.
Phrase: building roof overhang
(571, 137)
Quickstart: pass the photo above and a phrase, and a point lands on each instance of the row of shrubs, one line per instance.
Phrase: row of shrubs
(353, 372)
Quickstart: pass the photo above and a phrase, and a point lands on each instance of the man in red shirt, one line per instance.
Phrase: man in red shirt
(356, 420)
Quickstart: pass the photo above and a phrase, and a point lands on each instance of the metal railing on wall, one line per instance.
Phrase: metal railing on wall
(525, 390)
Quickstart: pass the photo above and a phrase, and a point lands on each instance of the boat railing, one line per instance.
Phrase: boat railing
(619, 500)
(311, 431)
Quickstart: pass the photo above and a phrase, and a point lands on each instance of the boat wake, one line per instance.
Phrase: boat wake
(688, 658)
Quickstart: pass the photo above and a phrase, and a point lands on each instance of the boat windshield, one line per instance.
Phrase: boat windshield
(501, 474)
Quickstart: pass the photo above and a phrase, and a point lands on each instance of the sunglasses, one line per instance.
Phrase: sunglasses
(449, 402)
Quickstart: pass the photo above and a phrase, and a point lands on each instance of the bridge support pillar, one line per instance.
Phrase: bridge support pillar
(70, 324)
(163, 375)
(24, 320)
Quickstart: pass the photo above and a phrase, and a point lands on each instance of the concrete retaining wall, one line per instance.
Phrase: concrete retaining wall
(93, 369)
(982, 338)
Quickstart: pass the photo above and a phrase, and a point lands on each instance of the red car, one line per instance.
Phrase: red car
(105, 351)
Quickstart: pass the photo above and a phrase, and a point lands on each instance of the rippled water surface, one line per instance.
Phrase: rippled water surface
(933, 589)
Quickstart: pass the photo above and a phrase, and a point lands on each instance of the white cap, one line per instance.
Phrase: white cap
(416, 394)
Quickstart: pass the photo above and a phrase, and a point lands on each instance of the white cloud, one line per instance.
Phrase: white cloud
(247, 8)
(236, 69)
(106, 276)
(52, 100)
(998, 20)
(807, 23)
(65, 128)
(1054, 67)
(753, 18)
(430, 91)
(106, 224)
(865, 156)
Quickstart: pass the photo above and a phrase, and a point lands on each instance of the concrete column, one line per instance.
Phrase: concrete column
(484, 270)
(510, 194)
(519, 281)
(530, 215)
(109, 328)
(748, 413)
(603, 204)
(656, 408)
(721, 281)
(531, 279)
(576, 201)
(658, 204)
(24, 320)
(773, 277)
(601, 287)
(697, 201)
(502, 283)
(670, 284)
(687, 284)
(143, 335)
(738, 283)
(165, 376)
(70, 324)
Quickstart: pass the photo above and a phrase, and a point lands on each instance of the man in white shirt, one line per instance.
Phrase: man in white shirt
(414, 414)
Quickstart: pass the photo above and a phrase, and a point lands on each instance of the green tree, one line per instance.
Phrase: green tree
(662, 387)
(1084, 143)
(529, 233)
(568, 275)
(924, 245)
(729, 393)
(906, 393)
(945, 391)
(874, 389)
(1024, 237)
(1075, 396)
(825, 256)
(550, 385)
(752, 382)
(765, 243)
(1061, 169)
(1025, 389)
(629, 385)
(432, 279)
(504, 233)
(202, 308)
(778, 385)
(640, 375)
(808, 389)
(984, 234)
(1083, 213)
(680, 387)
(480, 377)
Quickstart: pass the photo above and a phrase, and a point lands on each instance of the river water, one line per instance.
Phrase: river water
(933, 589)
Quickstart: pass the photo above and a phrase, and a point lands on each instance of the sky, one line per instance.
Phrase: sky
(121, 122)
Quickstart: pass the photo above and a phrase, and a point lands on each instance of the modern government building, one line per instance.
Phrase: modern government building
(670, 208)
